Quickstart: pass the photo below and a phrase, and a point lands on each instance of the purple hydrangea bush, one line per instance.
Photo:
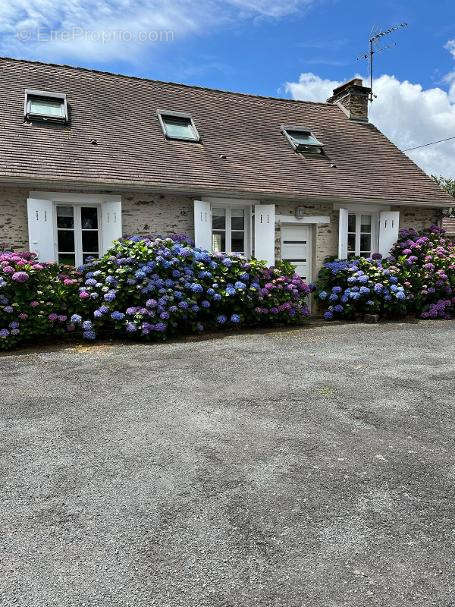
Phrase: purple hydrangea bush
(35, 298)
(425, 262)
(418, 278)
(153, 288)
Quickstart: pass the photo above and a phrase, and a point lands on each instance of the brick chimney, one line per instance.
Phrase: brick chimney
(352, 98)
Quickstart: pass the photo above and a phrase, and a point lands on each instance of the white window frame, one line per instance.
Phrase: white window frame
(109, 215)
(78, 251)
(230, 203)
(247, 227)
(358, 232)
(363, 209)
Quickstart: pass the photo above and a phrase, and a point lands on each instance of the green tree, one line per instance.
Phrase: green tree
(445, 183)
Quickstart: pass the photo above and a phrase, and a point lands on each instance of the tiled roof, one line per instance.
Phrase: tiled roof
(242, 149)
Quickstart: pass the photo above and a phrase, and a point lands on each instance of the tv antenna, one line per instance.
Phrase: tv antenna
(375, 37)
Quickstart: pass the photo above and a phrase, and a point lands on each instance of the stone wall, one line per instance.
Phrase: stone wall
(418, 218)
(159, 213)
(13, 218)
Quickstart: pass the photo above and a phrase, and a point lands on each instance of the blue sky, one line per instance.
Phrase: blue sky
(289, 48)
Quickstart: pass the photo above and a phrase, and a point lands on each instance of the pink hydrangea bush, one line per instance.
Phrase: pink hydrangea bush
(35, 298)
(424, 261)
(282, 298)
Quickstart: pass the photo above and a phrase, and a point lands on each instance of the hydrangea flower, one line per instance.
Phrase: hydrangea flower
(117, 315)
(20, 276)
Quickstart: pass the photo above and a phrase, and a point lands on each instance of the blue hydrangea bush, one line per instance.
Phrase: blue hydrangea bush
(417, 278)
(347, 289)
(154, 288)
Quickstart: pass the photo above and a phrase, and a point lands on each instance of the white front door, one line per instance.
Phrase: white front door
(296, 248)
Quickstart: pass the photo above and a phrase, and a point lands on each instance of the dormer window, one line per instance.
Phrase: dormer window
(178, 125)
(43, 105)
(302, 140)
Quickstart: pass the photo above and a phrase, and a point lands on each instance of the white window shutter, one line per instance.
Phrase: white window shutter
(203, 225)
(264, 232)
(389, 224)
(40, 215)
(111, 223)
(343, 234)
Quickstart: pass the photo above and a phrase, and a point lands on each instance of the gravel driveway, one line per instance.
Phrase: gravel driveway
(309, 467)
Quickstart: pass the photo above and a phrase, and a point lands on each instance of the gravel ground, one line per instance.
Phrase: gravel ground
(309, 467)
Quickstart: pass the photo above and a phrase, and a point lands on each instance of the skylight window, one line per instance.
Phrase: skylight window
(177, 125)
(302, 139)
(43, 105)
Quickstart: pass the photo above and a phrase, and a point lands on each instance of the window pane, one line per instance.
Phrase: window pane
(351, 242)
(66, 259)
(47, 107)
(65, 217)
(178, 127)
(218, 242)
(351, 223)
(365, 242)
(89, 218)
(303, 138)
(66, 241)
(238, 242)
(89, 242)
(219, 219)
(365, 225)
(237, 219)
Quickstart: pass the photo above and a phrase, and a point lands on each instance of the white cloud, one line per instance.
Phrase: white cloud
(406, 113)
(450, 46)
(311, 87)
(269, 8)
(104, 30)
